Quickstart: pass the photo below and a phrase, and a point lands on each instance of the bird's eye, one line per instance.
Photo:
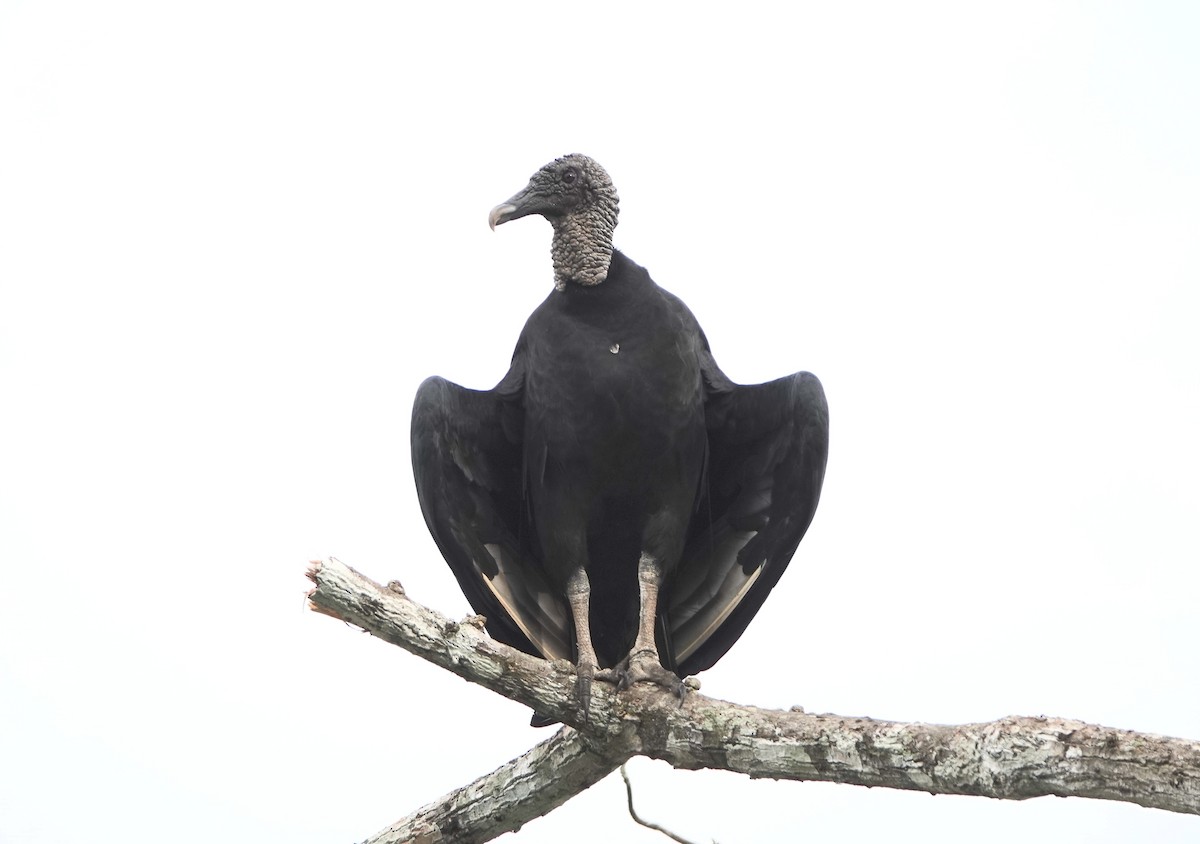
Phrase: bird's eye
(569, 176)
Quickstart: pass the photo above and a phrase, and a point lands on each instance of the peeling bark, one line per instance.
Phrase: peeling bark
(1013, 758)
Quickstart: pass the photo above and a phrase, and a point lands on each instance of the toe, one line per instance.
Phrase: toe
(644, 666)
(583, 688)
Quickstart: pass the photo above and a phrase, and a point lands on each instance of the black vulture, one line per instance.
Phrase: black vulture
(615, 500)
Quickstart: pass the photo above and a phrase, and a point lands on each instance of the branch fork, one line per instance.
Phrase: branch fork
(1012, 758)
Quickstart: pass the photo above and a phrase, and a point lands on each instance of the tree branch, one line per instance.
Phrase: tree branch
(1012, 758)
(503, 801)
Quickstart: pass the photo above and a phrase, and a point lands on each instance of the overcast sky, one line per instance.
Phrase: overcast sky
(235, 236)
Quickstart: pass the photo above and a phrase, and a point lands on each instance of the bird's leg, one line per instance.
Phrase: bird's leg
(578, 595)
(649, 577)
(643, 662)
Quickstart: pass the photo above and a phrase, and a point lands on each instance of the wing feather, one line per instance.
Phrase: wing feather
(768, 445)
(466, 450)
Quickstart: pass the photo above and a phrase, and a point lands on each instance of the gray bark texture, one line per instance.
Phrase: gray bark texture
(1012, 758)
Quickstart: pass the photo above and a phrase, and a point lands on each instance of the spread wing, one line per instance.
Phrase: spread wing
(768, 445)
(466, 452)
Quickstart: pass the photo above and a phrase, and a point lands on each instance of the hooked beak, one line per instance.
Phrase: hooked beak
(502, 213)
(528, 201)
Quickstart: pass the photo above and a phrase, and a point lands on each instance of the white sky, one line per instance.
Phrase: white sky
(234, 237)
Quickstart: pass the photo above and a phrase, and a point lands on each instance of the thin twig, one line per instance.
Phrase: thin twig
(633, 814)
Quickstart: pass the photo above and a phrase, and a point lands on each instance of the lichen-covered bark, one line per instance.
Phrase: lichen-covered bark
(1013, 758)
(526, 788)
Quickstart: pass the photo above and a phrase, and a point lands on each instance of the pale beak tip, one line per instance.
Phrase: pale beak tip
(499, 214)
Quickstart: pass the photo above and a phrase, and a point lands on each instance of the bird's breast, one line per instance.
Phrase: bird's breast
(597, 393)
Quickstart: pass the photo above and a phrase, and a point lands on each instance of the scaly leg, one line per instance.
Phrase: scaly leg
(578, 595)
(643, 662)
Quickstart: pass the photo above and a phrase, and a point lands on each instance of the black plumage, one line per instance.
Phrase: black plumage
(615, 500)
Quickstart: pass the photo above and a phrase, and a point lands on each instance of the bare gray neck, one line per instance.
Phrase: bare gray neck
(582, 246)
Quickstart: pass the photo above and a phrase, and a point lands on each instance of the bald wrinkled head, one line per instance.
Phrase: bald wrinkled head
(578, 198)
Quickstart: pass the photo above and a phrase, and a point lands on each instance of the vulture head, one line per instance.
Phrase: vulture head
(578, 198)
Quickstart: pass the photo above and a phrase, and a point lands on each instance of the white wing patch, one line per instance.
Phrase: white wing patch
(697, 629)
(541, 617)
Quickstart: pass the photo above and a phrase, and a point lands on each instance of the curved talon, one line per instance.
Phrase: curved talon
(643, 666)
(608, 675)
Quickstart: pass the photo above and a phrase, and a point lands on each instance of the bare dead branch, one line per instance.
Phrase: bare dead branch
(1012, 758)
(528, 787)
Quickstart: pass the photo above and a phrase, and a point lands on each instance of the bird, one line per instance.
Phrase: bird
(615, 500)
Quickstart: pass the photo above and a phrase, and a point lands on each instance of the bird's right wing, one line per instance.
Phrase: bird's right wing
(766, 462)
(466, 453)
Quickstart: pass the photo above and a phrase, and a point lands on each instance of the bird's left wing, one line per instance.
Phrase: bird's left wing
(768, 445)
(466, 453)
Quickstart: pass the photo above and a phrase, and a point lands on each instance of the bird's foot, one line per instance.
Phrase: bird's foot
(584, 673)
(643, 666)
